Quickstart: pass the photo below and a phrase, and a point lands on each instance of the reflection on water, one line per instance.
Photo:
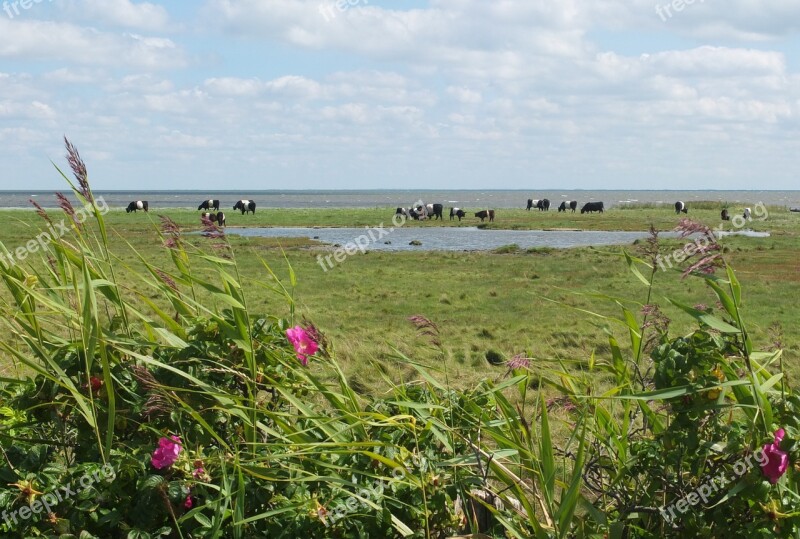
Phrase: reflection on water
(447, 239)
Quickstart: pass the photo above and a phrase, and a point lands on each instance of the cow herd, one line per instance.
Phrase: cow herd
(216, 217)
(422, 212)
(543, 204)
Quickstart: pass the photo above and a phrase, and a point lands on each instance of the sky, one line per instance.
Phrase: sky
(418, 94)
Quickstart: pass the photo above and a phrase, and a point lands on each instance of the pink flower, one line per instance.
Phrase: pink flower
(304, 345)
(777, 460)
(198, 473)
(167, 452)
(188, 503)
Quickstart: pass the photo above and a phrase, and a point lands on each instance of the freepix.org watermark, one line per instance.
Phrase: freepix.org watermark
(54, 231)
(714, 485)
(12, 9)
(48, 501)
(697, 245)
(665, 11)
(360, 243)
(329, 10)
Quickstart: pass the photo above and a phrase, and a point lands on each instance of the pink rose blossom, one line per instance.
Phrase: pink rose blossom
(777, 459)
(304, 345)
(167, 452)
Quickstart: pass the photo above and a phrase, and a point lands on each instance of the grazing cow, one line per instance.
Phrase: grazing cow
(543, 205)
(218, 218)
(456, 212)
(483, 214)
(571, 204)
(434, 210)
(532, 203)
(136, 205)
(209, 205)
(401, 211)
(681, 207)
(725, 215)
(748, 214)
(246, 206)
(591, 207)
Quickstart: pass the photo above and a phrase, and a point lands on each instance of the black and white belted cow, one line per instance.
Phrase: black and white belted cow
(209, 204)
(571, 204)
(483, 214)
(591, 207)
(217, 218)
(136, 205)
(456, 212)
(246, 206)
(434, 211)
(681, 207)
(543, 205)
(748, 214)
(532, 203)
(724, 215)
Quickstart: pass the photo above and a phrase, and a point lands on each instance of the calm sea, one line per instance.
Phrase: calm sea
(392, 198)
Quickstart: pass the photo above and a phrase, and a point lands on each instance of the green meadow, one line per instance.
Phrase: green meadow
(547, 304)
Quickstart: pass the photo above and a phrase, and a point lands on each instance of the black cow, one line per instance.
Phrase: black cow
(543, 205)
(483, 214)
(571, 204)
(209, 205)
(401, 211)
(246, 206)
(681, 207)
(724, 215)
(531, 204)
(591, 207)
(456, 212)
(136, 205)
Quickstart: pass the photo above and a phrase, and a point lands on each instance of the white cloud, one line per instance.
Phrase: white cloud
(33, 40)
(124, 13)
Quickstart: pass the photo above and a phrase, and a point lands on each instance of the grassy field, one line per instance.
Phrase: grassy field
(487, 305)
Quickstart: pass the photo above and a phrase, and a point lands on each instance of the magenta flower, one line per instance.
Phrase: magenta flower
(198, 473)
(304, 345)
(167, 452)
(188, 503)
(777, 459)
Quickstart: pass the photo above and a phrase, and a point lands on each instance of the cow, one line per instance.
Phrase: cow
(209, 204)
(748, 213)
(246, 206)
(483, 214)
(681, 207)
(219, 218)
(571, 204)
(434, 210)
(401, 211)
(136, 205)
(207, 216)
(543, 205)
(724, 215)
(532, 203)
(591, 207)
(456, 212)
